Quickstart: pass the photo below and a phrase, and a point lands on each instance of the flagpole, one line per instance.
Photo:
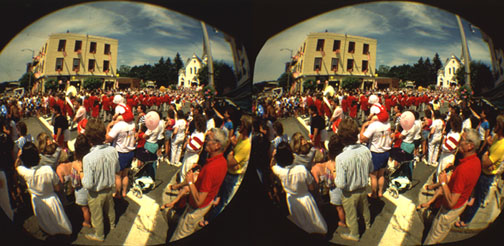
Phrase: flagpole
(209, 54)
(465, 53)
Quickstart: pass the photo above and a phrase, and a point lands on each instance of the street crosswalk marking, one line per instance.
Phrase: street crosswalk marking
(145, 220)
(400, 222)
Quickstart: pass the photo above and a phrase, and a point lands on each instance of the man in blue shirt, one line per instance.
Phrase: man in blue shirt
(353, 167)
(100, 167)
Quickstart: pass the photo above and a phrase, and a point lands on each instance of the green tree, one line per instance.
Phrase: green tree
(482, 79)
(383, 71)
(224, 77)
(50, 85)
(24, 81)
(124, 71)
(282, 80)
(436, 65)
(142, 72)
(351, 83)
(92, 83)
(403, 72)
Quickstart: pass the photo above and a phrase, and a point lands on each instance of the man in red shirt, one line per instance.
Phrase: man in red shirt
(203, 191)
(364, 108)
(352, 106)
(452, 197)
(61, 103)
(105, 107)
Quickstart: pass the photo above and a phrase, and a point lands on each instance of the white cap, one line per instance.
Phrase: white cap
(373, 99)
(118, 99)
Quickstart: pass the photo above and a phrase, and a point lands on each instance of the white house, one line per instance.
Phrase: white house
(447, 76)
(188, 76)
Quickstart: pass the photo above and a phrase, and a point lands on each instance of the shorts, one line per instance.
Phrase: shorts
(335, 195)
(144, 155)
(425, 134)
(380, 160)
(81, 196)
(160, 143)
(167, 135)
(417, 142)
(125, 159)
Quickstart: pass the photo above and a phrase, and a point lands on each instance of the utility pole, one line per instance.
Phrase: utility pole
(209, 55)
(465, 53)
(288, 68)
(30, 68)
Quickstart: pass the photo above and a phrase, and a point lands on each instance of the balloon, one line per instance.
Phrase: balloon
(152, 120)
(407, 120)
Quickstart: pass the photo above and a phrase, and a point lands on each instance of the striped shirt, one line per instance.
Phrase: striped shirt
(451, 142)
(353, 167)
(100, 166)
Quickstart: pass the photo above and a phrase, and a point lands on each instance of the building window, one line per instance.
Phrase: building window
(76, 64)
(107, 49)
(91, 65)
(351, 47)
(365, 49)
(92, 48)
(61, 45)
(334, 64)
(106, 66)
(364, 66)
(320, 45)
(59, 64)
(78, 45)
(349, 65)
(336, 45)
(190, 71)
(449, 70)
(304, 46)
(317, 64)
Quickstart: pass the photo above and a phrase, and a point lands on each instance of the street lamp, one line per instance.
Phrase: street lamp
(288, 68)
(29, 71)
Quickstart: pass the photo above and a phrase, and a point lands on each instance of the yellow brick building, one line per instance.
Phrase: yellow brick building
(333, 57)
(70, 59)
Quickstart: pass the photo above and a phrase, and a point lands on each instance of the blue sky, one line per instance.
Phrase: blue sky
(145, 34)
(404, 31)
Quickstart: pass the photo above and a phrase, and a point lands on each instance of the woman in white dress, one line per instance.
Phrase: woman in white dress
(297, 181)
(42, 182)
(178, 137)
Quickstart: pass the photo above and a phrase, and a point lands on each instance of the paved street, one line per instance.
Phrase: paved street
(396, 221)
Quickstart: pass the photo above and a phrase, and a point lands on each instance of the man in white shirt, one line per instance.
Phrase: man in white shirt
(122, 136)
(81, 112)
(377, 134)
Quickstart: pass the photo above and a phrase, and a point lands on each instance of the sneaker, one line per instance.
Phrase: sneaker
(417, 159)
(348, 236)
(93, 237)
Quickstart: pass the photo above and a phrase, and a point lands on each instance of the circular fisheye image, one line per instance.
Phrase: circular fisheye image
(121, 123)
(381, 125)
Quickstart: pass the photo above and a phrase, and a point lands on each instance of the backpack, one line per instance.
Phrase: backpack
(128, 114)
(383, 116)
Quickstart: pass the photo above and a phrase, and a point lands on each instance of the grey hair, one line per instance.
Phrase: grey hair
(473, 136)
(221, 137)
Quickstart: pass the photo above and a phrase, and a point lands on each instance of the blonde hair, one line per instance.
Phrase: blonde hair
(296, 142)
(43, 147)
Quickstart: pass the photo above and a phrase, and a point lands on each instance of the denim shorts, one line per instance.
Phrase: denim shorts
(125, 159)
(168, 134)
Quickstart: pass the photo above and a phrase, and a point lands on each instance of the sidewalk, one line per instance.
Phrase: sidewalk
(485, 215)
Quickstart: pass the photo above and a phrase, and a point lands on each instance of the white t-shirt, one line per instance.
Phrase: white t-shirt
(152, 135)
(418, 129)
(161, 129)
(467, 124)
(378, 134)
(124, 136)
(374, 109)
(81, 113)
(119, 109)
(180, 124)
(438, 125)
(452, 141)
(409, 135)
(210, 124)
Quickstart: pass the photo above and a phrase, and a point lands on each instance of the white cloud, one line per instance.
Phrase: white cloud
(415, 51)
(424, 18)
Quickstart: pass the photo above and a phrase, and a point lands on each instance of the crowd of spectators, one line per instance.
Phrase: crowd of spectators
(205, 139)
(355, 138)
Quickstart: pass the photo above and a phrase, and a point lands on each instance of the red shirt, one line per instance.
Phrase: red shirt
(61, 104)
(52, 101)
(388, 104)
(344, 105)
(364, 103)
(69, 109)
(141, 140)
(352, 106)
(96, 111)
(318, 105)
(129, 102)
(464, 178)
(105, 103)
(210, 179)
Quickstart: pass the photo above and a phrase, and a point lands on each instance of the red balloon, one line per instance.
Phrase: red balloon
(407, 120)
(152, 120)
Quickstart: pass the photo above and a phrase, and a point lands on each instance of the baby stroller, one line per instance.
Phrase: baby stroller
(143, 172)
(400, 176)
